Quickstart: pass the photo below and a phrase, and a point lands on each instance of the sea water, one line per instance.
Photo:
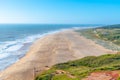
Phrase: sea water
(15, 39)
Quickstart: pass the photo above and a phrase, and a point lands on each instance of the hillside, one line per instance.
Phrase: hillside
(78, 69)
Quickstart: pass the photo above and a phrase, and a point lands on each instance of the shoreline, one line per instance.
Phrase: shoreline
(57, 48)
(26, 46)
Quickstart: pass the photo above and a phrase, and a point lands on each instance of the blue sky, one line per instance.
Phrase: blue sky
(60, 11)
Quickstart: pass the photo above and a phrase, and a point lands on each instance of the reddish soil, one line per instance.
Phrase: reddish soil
(106, 75)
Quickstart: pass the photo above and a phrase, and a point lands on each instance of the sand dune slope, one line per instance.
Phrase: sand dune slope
(52, 49)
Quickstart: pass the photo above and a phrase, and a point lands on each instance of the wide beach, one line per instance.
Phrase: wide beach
(49, 50)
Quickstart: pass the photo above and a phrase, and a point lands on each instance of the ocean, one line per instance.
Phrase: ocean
(15, 39)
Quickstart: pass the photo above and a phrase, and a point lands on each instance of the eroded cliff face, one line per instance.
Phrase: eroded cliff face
(105, 75)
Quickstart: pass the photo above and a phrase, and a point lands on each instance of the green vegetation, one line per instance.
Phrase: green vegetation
(78, 69)
(107, 36)
(110, 34)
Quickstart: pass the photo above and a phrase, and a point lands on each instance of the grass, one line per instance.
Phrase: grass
(62, 77)
(82, 67)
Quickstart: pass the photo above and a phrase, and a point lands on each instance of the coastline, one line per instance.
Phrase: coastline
(17, 51)
(49, 50)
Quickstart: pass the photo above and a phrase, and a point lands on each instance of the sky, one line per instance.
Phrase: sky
(60, 11)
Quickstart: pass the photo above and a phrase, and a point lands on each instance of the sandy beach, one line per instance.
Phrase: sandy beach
(49, 50)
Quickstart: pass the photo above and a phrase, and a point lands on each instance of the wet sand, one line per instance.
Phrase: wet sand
(49, 50)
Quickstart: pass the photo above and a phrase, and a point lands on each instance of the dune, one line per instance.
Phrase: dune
(49, 50)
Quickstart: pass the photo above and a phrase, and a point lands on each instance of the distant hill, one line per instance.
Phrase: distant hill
(107, 36)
